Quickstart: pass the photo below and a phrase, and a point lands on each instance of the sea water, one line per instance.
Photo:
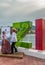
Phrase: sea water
(28, 38)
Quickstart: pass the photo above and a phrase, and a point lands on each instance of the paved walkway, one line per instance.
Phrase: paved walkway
(27, 60)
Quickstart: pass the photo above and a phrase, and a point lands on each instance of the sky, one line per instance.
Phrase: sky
(21, 10)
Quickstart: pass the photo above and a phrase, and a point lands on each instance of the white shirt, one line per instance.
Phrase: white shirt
(14, 37)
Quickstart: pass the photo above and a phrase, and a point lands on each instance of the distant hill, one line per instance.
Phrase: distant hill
(33, 27)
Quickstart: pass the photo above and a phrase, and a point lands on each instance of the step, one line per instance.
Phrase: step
(15, 55)
(32, 52)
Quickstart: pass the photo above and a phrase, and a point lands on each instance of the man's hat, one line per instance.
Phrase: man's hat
(14, 30)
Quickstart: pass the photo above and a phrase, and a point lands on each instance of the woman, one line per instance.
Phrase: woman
(14, 40)
(6, 48)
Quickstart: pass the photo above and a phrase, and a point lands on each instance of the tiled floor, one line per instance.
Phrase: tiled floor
(27, 60)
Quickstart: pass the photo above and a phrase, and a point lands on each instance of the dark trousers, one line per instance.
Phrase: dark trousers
(13, 47)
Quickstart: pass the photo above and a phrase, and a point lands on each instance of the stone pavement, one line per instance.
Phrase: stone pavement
(27, 60)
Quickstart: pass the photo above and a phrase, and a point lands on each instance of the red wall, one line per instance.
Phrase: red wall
(40, 34)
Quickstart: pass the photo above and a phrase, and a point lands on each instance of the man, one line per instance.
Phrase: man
(14, 40)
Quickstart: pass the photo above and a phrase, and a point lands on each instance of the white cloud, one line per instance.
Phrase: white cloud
(5, 0)
(41, 3)
(4, 5)
(33, 4)
(23, 0)
(31, 1)
(13, 10)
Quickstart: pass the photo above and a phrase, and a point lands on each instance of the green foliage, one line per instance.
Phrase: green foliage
(24, 25)
(24, 44)
(22, 28)
(16, 25)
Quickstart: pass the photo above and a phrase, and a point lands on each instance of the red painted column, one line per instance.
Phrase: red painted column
(40, 34)
(43, 40)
